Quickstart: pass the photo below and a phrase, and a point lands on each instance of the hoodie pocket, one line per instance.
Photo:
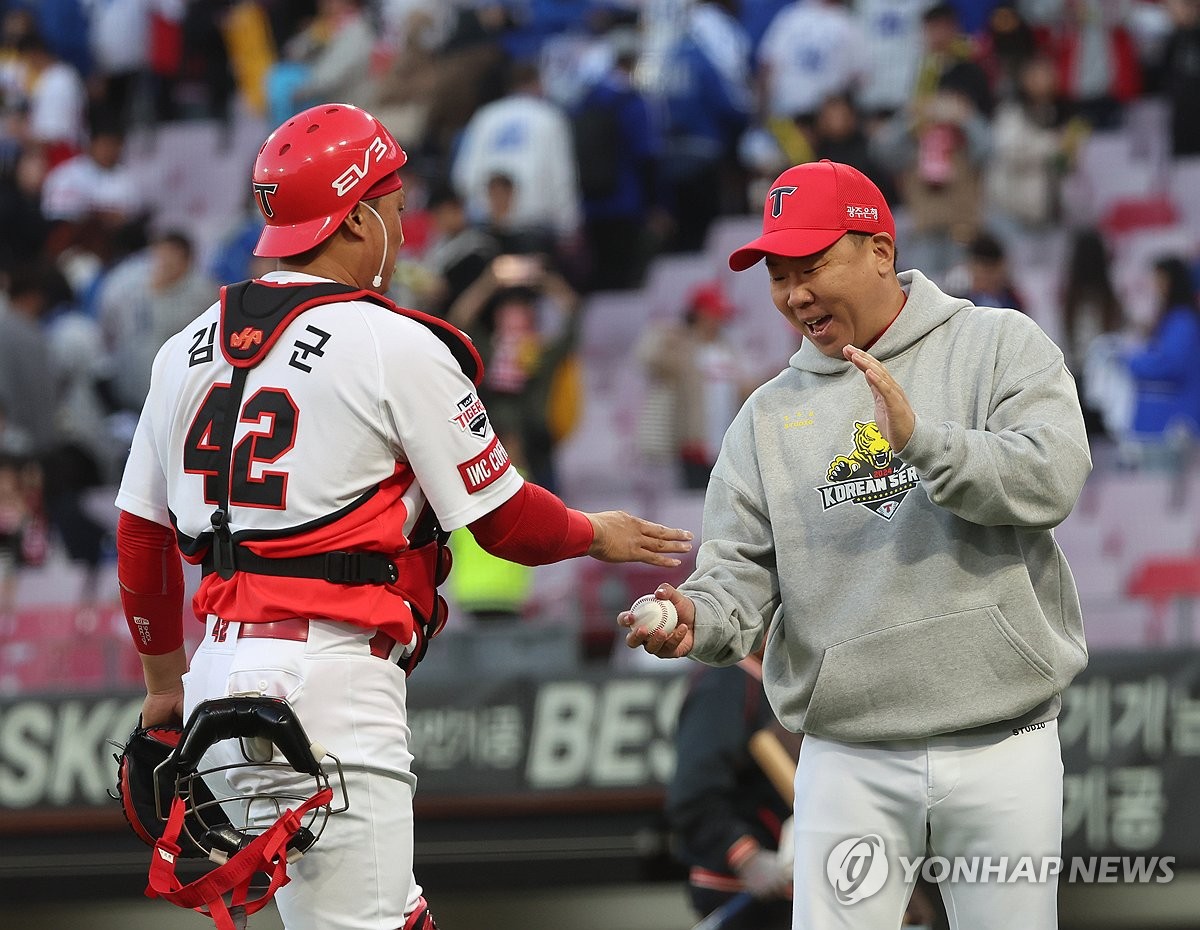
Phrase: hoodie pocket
(934, 675)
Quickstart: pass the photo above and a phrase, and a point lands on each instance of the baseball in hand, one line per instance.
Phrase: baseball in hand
(653, 615)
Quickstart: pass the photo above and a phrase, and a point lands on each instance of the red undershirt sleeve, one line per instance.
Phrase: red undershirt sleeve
(534, 527)
(150, 575)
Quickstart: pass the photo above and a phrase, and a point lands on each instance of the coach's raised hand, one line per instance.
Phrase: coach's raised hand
(893, 413)
(622, 537)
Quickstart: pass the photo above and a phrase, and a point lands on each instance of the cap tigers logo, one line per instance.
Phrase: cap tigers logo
(871, 475)
(776, 197)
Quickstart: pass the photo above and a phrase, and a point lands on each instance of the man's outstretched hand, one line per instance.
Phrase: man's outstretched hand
(622, 537)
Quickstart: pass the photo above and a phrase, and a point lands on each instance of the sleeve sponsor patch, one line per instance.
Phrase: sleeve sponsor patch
(470, 415)
(485, 468)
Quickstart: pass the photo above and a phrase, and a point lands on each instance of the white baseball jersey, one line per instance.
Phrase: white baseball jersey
(528, 139)
(892, 30)
(356, 417)
(812, 52)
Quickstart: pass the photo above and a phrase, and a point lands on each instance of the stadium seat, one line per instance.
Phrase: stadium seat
(1167, 581)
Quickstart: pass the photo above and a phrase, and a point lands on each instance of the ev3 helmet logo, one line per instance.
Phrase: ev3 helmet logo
(857, 868)
(347, 180)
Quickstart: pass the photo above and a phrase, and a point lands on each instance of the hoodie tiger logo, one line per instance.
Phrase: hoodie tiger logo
(872, 475)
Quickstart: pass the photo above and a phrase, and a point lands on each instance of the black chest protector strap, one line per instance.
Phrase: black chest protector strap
(222, 553)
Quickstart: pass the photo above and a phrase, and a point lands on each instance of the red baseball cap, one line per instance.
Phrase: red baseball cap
(709, 299)
(810, 207)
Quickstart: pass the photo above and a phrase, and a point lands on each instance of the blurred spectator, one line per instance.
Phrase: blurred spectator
(500, 221)
(534, 21)
(329, 60)
(64, 24)
(288, 17)
(698, 382)
(204, 83)
(572, 62)
(468, 71)
(424, 21)
(234, 259)
(458, 255)
(756, 17)
(618, 148)
(1090, 306)
(88, 265)
(54, 121)
(973, 14)
(940, 148)
(15, 443)
(85, 454)
(143, 302)
(1166, 376)
(507, 312)
(708, 101)
(528, 139)
(1033, 147)
(23, 228)
(90, 195)
(27, 382)
(762, 155)
(1092, 317)
(1180, 76)
(839, 136)
(725, 815)
(487, 588)
(416, 30)
(811, 51)
(15, 523)
(17, 25)
(83, 389)
(119, 37)
(250, 47)
(1005, 47)
(892, 30)
(947, 63)
(988, 277)
(1096, 58)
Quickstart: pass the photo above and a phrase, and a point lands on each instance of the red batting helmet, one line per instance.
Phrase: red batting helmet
(314, 168)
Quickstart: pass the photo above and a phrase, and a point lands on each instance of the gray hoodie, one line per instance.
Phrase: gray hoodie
(902, 594)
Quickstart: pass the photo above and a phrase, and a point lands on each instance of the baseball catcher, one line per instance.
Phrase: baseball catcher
(308, 443)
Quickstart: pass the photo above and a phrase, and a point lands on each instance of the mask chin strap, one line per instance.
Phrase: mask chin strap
(378, 279)
(267, 853)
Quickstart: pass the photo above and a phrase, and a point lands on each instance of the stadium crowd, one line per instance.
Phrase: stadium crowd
(556, 150)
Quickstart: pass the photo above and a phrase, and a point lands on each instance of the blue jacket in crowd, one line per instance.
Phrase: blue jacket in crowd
(1167, 375)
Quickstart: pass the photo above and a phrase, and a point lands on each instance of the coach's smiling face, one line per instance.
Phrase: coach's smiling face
(839, 296)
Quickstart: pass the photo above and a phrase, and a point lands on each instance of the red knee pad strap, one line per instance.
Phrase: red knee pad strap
(420, 919)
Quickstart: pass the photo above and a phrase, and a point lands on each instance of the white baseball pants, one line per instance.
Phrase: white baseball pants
(359, 874)
(994, 795)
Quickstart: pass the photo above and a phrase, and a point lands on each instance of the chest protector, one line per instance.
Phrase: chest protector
(253, 316)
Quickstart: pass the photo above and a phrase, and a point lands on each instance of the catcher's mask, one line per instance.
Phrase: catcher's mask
(197, 824)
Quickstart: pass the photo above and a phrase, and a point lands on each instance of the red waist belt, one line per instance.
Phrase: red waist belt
(295, 629)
